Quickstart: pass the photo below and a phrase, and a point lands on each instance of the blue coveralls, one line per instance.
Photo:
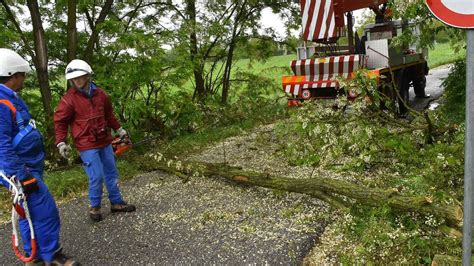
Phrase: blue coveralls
(99, 164)
(28, 159)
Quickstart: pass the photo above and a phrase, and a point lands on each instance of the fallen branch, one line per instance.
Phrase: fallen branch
(338, 193)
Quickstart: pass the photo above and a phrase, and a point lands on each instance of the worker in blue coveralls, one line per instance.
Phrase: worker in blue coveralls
(22, 155)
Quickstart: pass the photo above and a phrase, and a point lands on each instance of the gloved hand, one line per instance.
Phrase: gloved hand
(29, 185)
(64, 149)
(122, 132)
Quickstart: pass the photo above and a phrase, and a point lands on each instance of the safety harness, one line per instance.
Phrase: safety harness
(23, 130)
(20, 205)
(20, 209)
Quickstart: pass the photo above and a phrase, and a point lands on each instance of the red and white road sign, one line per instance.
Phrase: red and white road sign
(456, 13)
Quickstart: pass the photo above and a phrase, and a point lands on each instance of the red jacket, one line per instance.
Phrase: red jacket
(90, 119)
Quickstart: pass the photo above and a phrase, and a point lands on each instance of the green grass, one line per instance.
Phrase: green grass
(442, 54)
(276, 66)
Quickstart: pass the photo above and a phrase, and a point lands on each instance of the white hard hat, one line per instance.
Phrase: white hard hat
(11, 63)
(77, 68)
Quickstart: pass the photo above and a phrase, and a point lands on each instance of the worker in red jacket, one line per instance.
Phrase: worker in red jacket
(87, 111)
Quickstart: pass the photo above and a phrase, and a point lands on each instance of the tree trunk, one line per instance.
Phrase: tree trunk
(95, 32)
(199, 91)
(41, 62)
(228, 70)
(230, 57)
(240, 18)
(71, 30)
(338, 193)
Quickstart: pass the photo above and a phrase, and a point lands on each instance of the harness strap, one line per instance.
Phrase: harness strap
(24, 130)
(19, 137)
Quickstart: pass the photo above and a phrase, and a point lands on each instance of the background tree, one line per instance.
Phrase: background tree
(416, 11)
(71, 30)
(212, 30)
(152, 57)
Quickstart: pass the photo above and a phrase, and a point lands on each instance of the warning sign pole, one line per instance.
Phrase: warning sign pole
(469, 150)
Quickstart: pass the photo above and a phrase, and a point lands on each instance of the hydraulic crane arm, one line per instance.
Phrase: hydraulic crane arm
(323, 20)
(351, 5)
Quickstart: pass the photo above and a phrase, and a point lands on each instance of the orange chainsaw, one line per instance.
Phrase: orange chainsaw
(121, 145)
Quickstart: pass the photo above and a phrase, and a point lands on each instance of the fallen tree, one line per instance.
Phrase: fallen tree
(338, 193)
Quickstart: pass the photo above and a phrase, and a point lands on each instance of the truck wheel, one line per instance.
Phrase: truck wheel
(403, 84)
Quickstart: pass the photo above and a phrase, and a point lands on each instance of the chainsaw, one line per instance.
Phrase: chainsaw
(122, 144)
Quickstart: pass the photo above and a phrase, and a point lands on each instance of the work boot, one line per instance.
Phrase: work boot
(60, 259)
(122, 207)
(95, 214)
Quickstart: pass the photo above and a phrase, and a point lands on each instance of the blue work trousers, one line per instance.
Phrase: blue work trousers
(45, 217)
(99, 164)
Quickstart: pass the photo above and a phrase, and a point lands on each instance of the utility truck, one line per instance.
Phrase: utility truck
(321, 61)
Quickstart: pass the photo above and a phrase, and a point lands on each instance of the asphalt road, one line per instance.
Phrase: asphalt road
(205, 221)
(433, 87)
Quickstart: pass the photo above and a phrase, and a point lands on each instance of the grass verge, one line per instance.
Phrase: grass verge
(442, 54)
